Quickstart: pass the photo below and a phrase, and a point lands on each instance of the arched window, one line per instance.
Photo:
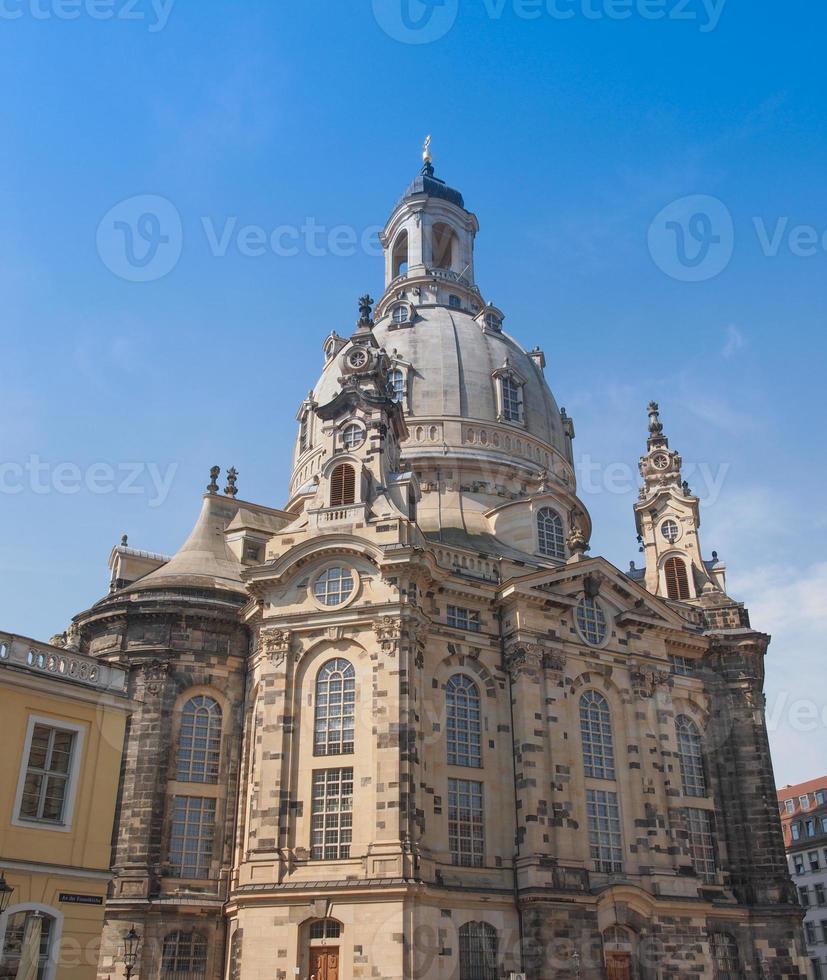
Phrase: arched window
(199, 741)
(725, 956)
(325, 929)
(342, 485)
(478, 952)
(550, 533)
(185, 956)
(304, 432)
(29, 935)
(462, 702)
(596, 734)
(677, 581)
(691, 754)
(400, 255)
(396, 380)
(335, 708)
(443, 246)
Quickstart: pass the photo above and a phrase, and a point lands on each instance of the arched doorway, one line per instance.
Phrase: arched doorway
(619, 953)
(323, 937)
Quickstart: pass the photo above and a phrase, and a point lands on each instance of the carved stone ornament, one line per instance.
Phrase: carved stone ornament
(275, 644)
(73, 637)
(155, 673)
(524, 656)
(554, 660)
(388, 632)
(646, 680)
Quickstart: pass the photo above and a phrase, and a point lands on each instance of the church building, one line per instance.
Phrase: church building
(405, 727)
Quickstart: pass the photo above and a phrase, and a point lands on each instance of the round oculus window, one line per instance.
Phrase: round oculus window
(670, 530)
(591, 621)
(353, 436)
(357, 358)
(661, 461)
(334, 586)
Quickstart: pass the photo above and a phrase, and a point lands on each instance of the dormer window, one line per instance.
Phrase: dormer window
(396, 380)
(454, 302)
(512, 401)
(401, 314)
(353, 435)
(493, 322)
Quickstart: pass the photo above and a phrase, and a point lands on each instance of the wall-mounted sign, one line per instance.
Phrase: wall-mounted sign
(68, 899)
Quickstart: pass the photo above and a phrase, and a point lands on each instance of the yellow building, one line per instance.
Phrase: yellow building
(64, 718)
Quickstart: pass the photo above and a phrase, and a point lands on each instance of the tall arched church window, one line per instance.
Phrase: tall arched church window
(550, 535)
(342, 485)
(25, 931)
(400, 255)
(335, 708)
(464, 723)
(443, 246)
(677, 580)
(478, 952)
(199, 741)
(184, 956)
(596, 735)
(691, 755)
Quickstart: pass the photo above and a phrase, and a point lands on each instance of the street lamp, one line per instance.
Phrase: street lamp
(131, 942)
(5, 893)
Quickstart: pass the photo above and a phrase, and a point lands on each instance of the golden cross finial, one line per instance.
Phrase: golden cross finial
(426, 150)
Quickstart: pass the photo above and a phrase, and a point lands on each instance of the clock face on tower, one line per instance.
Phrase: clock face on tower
(661, 461)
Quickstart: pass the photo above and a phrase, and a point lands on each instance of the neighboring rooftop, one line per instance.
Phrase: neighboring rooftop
(60, 664)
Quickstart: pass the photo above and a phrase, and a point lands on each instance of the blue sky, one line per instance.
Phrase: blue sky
(572, 128)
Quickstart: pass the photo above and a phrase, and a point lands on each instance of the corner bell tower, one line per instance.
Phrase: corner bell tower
(667, 516)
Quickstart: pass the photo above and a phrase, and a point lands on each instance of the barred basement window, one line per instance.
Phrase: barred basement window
(466, 823)
(690, 752)
(725, 956)
(464, 728)
(199, 741)
(596, 734)
(48, 773)
(191, 836)
(677, 582)
(478, 952)
(550, 535)
(184, 956)
(335, 709)
(342, 486)
(701, 842)
(464, 619)
(605, 842)
(332, 814)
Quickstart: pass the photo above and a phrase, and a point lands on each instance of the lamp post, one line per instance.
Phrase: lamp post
(5, 893)
(131, 942)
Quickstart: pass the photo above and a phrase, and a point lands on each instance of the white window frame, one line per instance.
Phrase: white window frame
(54, 941)
(506, 371)
(463, 618)
(467, 842)
(79, 731)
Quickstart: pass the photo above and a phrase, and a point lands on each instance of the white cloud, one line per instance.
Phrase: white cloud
(735, 341)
